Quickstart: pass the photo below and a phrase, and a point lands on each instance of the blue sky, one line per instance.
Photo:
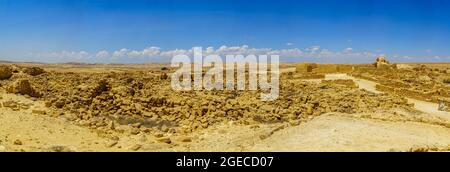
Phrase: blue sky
(138, 31)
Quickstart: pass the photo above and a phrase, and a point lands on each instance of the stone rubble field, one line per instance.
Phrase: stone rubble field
(76, 107)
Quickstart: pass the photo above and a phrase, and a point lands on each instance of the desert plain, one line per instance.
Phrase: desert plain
(382, 106)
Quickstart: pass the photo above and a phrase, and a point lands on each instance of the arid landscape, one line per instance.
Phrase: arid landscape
(321, 107)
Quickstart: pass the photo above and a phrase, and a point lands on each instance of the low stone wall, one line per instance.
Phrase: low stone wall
(323, 68)
(326, 68)
(346, 82)
(310, 76)
(420, 95)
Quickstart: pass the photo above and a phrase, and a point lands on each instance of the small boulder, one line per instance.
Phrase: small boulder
(33, 71)
(111, 143)
(17, 142)
(38, 111)
(5, 72)
(185, 139)
(164, 76)
(101, 87)
(165, 140)
(136, 147)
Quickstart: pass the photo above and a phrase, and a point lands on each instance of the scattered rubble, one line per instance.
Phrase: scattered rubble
(14, 105)
(23, 87)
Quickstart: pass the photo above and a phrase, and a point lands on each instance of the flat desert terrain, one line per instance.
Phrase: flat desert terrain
(321, 107)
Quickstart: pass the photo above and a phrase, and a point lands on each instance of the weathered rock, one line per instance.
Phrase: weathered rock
(136, 147)
(158, 135)
(185, 139)
(10, 104)
(111, 143)
(39, 111)
(164, 76)
(165, 140)
(33, 71)
(442, 106)
(101, 87)
(60, 104)
(134, 131)
(23, 87)
(17, 142)
(5, 72)
(60, 148)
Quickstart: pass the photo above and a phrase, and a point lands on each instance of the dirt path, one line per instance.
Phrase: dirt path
(430, 108)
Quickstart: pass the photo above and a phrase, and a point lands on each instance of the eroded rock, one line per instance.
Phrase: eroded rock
(23, 87)
(33, 71)
(5, 72)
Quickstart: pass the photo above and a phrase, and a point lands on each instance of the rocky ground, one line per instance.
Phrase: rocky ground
(120, 108)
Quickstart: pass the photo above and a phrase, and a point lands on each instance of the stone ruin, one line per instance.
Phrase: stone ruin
(317, 71)
(381, 62)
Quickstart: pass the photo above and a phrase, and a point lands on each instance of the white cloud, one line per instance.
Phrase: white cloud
(289, 44)
(147, 52)
(62, 55)
(348, 50)
(154, 53)
(120, 53)
(313, 49)
(175, 52)
(407, 57)
(102, 54)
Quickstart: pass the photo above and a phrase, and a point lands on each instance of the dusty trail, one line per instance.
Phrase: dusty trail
(430, 108)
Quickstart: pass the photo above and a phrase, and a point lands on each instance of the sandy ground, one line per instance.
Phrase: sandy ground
(343, 133)
(26, 131)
